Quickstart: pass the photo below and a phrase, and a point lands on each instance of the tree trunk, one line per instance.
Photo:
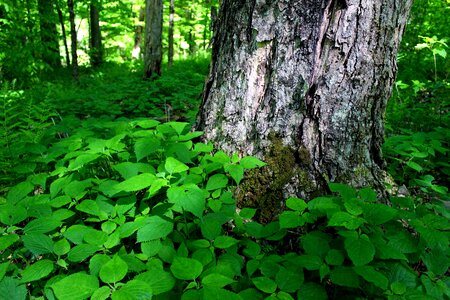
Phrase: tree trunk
(302, 84)
(96, 50)
(49, 33)
(63, 30)
(73, 38)
(135, 54)
(170, 38)
(153, 38)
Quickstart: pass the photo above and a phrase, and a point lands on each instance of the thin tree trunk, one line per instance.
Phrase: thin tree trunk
(49, 34)
(153, 38)
(170, 39)
(135, 54)
(96, 50)
(73, 37)
(63, 30)
(302, 84)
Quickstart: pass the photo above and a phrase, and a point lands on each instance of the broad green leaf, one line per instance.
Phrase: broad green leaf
(91, 207)
(247, 213)
(174, 166)
(76, 233)
(40, 269)
(346, 191)
(61, 247)
(101, 293)
(151, 248)
(437, 261)
(42, 225)
(216, 280)
(147, 123)
(178, 126)
(76, 286)
(77, 189)
(310, 262)
(95, 237)
(210, 228)
(359, 250)
(97, 262)
(155, 227)
(11, 289)
(289, 281)
(334, 257)
(250, 162)
(215, 293)
(345, 276)
(82, 160)
(312, 291)
(146, 146)
(216, 181)
(157, 184)
(160, 281)
(3, 268)
(236, 172)
(187, 198)
(291, 219)
(18, 192)
(186, 268)
(345, 219)
(128, 169)
(81, 252)
(415, 166)
(8, 240)
(224, 242)
(114, 270)
(315, 243)
(136, 183)
(109, 227)
(60, 201)
(38, 243)
(265, 284)
(133, 290)
(377, 214)
(296, 204)
(371, 275)
(12, 214)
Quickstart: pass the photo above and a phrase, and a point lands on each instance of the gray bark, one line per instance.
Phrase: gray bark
(153, 38)
(313, 74)
(136, 53)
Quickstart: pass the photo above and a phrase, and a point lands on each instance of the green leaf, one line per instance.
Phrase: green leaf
(101, 293)
(41, 225)
(377, 214)
(250, 162)
(75, 287)
(291, 219)
(40, 269)
(114, 270)
(18, 192)
(346, 191)
(310, 262)
(186, 268)
(160, 281)
(11, 289)
(178, 126)
(359, 250)
(155, 227)
(216, 181)
(265, 284)
(82, 160)
(345, 276)
(236, 172)
(12, 214)
(3, 268)
(187, 198)
(399, 288)
(345, 219)
(214, 293)
(129, 169)
(97, 262)
(133, 290)
(415, 166)
(315, 243)
(211, 228)
(136, 183)
(8, 240)
(371, 275)
(216, 280)
(224, 242)
(174, 166)
(312, 291)
(289, 281)
(81, 252)
(38, 243)
(146, 146)
(296, 204)
(335, 257)
(147, 123)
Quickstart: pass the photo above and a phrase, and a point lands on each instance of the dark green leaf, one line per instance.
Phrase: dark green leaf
(186, 268)
(38, 270)
(75, 287)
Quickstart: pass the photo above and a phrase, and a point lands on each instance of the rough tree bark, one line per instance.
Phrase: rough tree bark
(73, 38)
(49, 34)
(153, 38)
(96, 49)
(170, 36)
(302, 84)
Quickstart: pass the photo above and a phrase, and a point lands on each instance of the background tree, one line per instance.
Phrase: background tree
(303, 84)
(153, 38)
(170, 36)
(49, 34)
(135, 54)
(96, 50)
(74, 39)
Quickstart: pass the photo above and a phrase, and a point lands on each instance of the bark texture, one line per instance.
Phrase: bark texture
(96, 49)
(170, 35)
(73, 38)
(153, 38)
(136, 53)
(307, 80)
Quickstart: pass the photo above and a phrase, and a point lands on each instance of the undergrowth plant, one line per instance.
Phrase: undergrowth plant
(142, 210)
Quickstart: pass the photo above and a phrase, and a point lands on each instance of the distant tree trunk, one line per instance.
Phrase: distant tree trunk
(96, 50)
(63, 30)
(302, 84)
(153, 38)
(135, 54)
(49, 33)
(73, 38)
(170, 39)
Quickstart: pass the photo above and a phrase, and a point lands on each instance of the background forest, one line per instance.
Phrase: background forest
(106, 193)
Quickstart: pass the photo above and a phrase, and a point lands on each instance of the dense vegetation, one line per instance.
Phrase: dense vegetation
(105, 191)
